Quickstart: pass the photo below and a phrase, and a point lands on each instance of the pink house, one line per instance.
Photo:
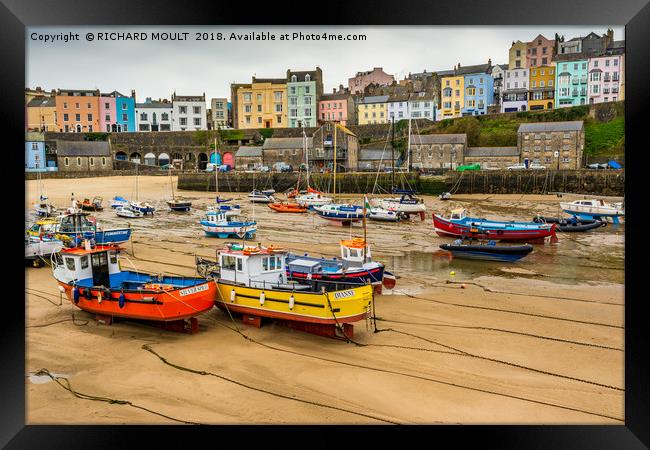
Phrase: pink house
(539, 51)
(605, 79)
(377, 75)
(107, 113)
(338, 107)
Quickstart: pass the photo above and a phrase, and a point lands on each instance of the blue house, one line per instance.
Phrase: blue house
(479, 93)
(35, 154)
(125, 111)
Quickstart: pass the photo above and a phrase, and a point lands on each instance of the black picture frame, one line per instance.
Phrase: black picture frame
(634, 14)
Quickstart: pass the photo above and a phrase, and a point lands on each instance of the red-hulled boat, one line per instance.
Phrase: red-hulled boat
(287, 207)
(91, 278)
(459, 225)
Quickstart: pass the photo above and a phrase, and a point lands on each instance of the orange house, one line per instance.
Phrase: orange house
(77, 111)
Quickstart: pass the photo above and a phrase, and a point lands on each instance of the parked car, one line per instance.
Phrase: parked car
(597, 166)
(520, 166)
(265, 169)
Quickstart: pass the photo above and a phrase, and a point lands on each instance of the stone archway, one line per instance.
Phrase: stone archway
(202, 161)
(120, 156)
(150, 159)
(163, 159)
(136, 158)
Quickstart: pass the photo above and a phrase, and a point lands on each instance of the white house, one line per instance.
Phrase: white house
(153, 115)
(189, 112)
(422, 105)
(514, 90)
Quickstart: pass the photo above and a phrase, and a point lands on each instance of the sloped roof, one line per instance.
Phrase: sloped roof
(270, 80)
(374, 154)
(248, 151)
(154, 105)
(575, 125)
(374, 99)
(300, 75)
(439, 139)
(337, 96)
(492, 151)
(42, 102)
(82, 148)
(282, 143)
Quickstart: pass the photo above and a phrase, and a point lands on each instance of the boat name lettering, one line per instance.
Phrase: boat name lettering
(193, 290)
(344, 294)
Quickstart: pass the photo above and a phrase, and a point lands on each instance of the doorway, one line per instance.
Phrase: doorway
(99, 262)
(267, 124)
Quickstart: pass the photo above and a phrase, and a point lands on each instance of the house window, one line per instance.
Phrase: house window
(78, 117)
(103, 160)
(90, 117)
(123, 106)
(78, 161)
(248, 119)
(197, 121)
(279, 119)
(125, 117)
(278, 107)
(66, 161)
(182, 121)
(65, 105)
(197, 110)
(259, 98)
(247, 97)
(91, 161)
(247, 108)
(259, 120)
(143, 116)
(107, 106)
(259, 108)
(294, 78)
(89, 106)
(182, 109)
(65, 117)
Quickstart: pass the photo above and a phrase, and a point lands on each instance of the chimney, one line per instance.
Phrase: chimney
(133, 94)
(333, 90)
(489, 62)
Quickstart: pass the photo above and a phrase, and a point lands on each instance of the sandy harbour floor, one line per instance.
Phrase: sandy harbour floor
(537, 341)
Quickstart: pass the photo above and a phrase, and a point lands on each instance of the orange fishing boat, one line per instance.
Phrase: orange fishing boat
(287, 207)
(92, 279)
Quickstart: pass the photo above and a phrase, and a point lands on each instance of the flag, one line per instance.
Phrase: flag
(366, 204)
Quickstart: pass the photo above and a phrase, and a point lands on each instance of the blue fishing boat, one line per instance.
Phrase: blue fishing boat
(79, 226)
(119, 202)
(144, 207)
(341, 212)
(218, 224)
(487, 251)
(229, 210)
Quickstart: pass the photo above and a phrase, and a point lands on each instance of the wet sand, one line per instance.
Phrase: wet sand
(538, 341)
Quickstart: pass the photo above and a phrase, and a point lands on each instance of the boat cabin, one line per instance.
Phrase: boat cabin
(352, 251)
(253, 266)
(458, 214)
(589, 202)
(77, 221)
(87, 265)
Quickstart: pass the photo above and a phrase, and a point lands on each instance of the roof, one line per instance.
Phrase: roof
(422, 96)
(374, 154)
(270, 80)
(492, 151)
(300, 75)
(42, 101)
(337, 96)
(154, 105)
(374, 99)
(398, 97)
(479, 68)
(282, 143)
(188, 98)
(439, 139)
(82, 148)
(248, 151)
(575, 125)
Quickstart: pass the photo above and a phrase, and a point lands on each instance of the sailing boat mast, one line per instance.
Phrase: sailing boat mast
(304, 143)
(334, 189)
(365, 244)
(392, 154)
(408, 148)
(171, 182)
(216, 169)
(136, 182)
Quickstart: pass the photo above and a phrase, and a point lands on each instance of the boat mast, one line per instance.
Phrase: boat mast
(334, 189)
(408, 148)
(216, 169)
(392, 154)
(304, 138)
(136, 182)
(171, 182)
(365, 200)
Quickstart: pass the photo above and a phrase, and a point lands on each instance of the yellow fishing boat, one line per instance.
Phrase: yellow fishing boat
(252, 282)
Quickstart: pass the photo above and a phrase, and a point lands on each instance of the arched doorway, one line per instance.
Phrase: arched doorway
(229, 160)
(120, 156)
(163, 159)
(136, 157)
(215, 158)
(150, 159)
(549, 105)
(114, 128)
(78, 128)
(203, 161)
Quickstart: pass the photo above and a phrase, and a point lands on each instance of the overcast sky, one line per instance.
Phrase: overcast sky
(157, 68)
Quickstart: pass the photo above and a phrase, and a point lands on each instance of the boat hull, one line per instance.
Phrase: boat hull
(501, 231)
(487, 252)
(228, 231)
(116, 236)
(347, 306)
(158, 306)
(406, 206)
(179, 206)
(361, 276)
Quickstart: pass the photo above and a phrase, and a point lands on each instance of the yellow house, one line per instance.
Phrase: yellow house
(373, 109)
(517, 56)
(452, 96)
(41, 114)
(262, 104)
(541, 94)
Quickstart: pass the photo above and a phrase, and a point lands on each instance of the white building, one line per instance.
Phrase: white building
(398, 107)
(514, 91)
(189, 112)
(153, 115)
(422, 105)
(219, 112)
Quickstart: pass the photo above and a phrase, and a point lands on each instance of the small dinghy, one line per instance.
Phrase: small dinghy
(287, 207)
(343, 213)
(487, 251)
(87, 205)
(144, 207)
(128, 212)
(177, 205)
(261, 196)
(445, 196)
(571, 224)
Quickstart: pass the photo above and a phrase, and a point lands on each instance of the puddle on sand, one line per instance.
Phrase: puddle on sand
(42, 379)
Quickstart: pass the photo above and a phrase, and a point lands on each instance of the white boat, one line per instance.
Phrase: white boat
(312, 200)
(143, 207)
(119, 202)
(127, 211)
(407, 203)
(594, 209)
(38, 248)
(217, 224)
(43, 208)
(445, 196)
(261, 196)
(385, 215)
